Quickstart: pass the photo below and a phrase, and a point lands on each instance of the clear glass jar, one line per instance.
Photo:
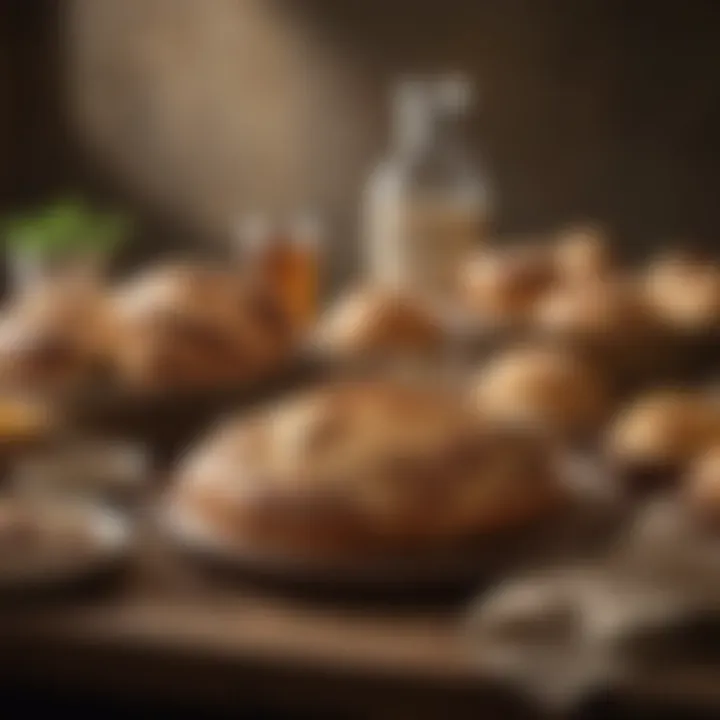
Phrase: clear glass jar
(427, 204)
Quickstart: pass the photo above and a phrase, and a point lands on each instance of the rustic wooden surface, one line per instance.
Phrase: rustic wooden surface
(169, 630)
(166, 629)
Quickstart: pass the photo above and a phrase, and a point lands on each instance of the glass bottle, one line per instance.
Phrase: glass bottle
(427, 203)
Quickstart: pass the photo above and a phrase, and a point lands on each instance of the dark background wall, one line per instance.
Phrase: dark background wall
(193, 110)
(32, 141)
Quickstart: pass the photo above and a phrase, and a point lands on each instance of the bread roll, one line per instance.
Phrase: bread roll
(609, 321)
(378, 322)
(654, 439)
(548, 388)
(702, 485)
(501, 286)
(684, 292)
(608, 311)
(582, 254)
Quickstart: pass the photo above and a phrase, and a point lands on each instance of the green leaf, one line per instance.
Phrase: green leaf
(67, 226)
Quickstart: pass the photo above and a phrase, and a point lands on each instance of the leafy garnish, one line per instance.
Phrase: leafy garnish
(68, 226)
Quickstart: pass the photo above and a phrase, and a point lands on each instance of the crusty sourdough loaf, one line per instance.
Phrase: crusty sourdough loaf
(360, 468)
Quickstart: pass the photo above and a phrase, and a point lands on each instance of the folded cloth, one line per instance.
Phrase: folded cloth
(563, 632)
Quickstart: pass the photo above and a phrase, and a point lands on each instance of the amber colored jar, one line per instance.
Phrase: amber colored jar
(303, 270)
(287, 258)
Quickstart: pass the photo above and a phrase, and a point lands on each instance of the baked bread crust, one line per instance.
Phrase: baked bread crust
(543, 387)
(609, 311)
(608, 321)
(654, 439)
(54, 337)
(191, 325)
(701, 486)
(502, 286)
(684, 292)
(364, 468)
(582, 253)
(371, 322)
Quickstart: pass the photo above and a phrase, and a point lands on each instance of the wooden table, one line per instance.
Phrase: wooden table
(165, 630)
(169, 631)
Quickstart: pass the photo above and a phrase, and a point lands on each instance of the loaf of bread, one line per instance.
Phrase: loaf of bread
(361, 468)
(191, 325)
